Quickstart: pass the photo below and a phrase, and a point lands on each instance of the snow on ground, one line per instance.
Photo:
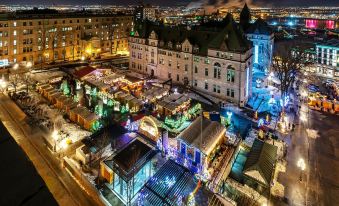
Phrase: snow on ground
(265, 99)
(311, 133)
(198, 98)
(252, 135)
(43, 77)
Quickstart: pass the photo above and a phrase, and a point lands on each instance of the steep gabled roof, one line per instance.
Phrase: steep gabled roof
(204, 36)
(231, 38)
(260, 162)
(202, 134)
(259, 27)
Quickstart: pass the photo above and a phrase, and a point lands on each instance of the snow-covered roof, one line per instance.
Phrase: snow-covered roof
(173, 101)
(260, 162)
(203, 134)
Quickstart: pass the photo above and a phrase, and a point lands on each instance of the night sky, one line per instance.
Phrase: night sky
(272, 3)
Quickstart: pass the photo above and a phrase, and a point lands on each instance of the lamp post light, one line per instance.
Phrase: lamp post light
(3, 84)
(55, 138)
(29, 65)
(16, 66)
(302, 165)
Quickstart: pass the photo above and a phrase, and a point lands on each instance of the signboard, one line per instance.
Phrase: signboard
(4, 62)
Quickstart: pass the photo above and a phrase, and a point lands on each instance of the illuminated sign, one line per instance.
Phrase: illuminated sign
(4, 62)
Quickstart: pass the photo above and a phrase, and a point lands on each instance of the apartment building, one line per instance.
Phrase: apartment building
(46, 36)
(149, 13)
(214, 59)
(328, 58)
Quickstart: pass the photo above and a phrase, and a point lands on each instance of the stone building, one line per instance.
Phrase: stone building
(215, 59)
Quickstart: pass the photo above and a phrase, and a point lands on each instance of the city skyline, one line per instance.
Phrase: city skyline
(226, 3)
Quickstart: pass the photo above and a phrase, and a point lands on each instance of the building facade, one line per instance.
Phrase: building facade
(328, 58)
(262, 37)
(47, 37)
(216, 61)
(149, 13)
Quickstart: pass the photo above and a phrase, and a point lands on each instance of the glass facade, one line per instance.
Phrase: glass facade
(127, 190)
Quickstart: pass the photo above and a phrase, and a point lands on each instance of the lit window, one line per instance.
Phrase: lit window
(14, 42)
(14, 51)
(14, 33)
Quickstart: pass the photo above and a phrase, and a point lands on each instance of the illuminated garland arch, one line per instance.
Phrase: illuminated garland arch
(150, 121)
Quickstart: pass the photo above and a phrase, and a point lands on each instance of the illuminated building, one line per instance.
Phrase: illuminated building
(263, 40)
(212, 59)
(328, 58)
(202, 147)
(47, 35)
(129, 169)
(149, 13)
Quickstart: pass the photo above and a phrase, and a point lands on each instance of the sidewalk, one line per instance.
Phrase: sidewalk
(65, 190)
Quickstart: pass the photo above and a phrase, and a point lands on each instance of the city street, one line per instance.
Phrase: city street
(63, 187)
(313, 140)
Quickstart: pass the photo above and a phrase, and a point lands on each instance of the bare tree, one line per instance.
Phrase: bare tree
(14, 79)
(287, 63)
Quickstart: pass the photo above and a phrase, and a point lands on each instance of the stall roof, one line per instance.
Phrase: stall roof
(92, 117)
(58, 95)
(129, 97)
(133, 79)
(172, 101)
(83, 71)
(260, 162)
(203, 134)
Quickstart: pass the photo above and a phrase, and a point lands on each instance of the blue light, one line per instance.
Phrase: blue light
(274, 23)
(290, 23)
(261, 122)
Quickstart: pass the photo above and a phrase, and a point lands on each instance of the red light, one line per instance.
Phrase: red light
(311, 23)
(329, 24)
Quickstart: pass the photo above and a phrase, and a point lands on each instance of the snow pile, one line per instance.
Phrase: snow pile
(311, 133)
(252, 135)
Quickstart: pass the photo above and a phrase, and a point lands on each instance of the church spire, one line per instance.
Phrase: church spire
(245, 17)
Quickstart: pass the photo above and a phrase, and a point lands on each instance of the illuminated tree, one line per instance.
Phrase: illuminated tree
(286, 65)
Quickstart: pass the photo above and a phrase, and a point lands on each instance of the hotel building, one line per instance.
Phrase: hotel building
(214, 58)
(328, 58)
(47, 35)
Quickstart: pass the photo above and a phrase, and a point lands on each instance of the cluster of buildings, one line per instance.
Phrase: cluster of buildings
(43, 36)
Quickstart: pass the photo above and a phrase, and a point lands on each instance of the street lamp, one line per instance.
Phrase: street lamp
(55, 138)
(302, 165)
(29, 65)
(16, 66)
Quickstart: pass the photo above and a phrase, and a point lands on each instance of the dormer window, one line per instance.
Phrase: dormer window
(178, 46)
(195, 49)
(170, 45)
(162, 43)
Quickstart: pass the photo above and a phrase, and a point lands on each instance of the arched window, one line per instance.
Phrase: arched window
(217, 70)
(230, 76)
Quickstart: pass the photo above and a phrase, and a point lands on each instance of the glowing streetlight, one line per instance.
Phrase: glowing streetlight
(29, 65)
(16, 66)
(82, 58)
(302, 165)
(55, 138)
(3, 84)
